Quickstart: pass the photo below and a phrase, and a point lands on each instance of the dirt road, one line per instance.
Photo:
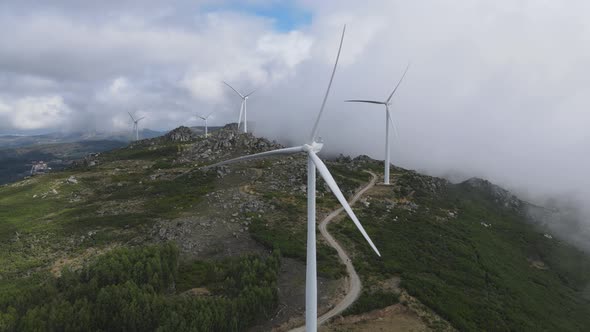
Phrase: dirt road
(354, 282)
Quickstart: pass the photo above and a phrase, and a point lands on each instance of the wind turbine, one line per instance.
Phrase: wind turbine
(387, 121)
(243, 107)
(205, 119)
(135, 126)
(311, 148)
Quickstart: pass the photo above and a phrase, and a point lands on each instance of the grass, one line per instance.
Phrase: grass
(371, 300)
(38, 223)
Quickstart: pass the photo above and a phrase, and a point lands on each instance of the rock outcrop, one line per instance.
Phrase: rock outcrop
(180, 134)
(226, 143)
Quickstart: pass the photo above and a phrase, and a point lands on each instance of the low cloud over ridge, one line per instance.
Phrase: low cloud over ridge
(496, 89)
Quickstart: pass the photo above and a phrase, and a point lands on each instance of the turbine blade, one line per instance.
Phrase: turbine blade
(317, 121)
(208, 115)
(395, 131)
(325, 173)
(131, 116)
(251, 92)
(233, 89)
(398, 83)
(259, 156)
(364, 101)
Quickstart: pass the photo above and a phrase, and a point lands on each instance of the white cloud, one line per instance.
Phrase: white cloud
(204, 85)
(118, 92)
(496, 88)
(246, 54)
(287, 50)
(34, 112)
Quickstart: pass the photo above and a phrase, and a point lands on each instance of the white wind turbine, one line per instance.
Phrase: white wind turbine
(205, 119)
(243, 107)
(387, 121)
(135, 126)
(311, 148)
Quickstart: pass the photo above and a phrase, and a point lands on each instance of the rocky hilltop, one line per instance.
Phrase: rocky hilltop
(180, 134)
(498, 194)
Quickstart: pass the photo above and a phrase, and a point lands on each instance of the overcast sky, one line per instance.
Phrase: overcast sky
(497, 89)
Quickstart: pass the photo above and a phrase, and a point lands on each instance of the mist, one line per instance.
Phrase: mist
(495, 90)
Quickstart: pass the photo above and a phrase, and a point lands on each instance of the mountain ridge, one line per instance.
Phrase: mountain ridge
(432, 233)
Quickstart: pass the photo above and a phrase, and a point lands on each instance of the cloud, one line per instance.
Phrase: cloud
(34, 112)
(109, 65)
(245, 57)
(496, 89)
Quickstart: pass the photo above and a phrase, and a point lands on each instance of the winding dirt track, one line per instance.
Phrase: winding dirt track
(354, 282)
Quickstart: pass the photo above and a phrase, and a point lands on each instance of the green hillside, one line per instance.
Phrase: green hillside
(144, 238)
(470, 254)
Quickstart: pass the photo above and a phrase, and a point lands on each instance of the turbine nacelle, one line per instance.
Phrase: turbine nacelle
(313, 147)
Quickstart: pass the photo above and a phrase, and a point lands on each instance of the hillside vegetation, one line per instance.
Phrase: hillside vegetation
(134, 290)
(84, 240)
(470, 254)
(144, 238)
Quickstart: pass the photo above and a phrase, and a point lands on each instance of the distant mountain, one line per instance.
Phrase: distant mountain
(16, 163)
(15, 141)
(58, 150)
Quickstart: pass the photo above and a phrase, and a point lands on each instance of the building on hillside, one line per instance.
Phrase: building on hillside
(39, 167)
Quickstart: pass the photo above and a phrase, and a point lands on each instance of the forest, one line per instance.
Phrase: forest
(134, 289)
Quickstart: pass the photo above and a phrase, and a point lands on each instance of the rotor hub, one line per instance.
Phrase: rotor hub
(314, 146)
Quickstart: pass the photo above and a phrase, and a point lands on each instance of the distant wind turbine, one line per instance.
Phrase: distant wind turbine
(387, 122)
(311, 148)
(135, 126)
(243, 107)
(205, 119)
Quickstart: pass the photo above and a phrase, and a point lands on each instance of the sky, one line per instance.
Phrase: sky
(496, 89)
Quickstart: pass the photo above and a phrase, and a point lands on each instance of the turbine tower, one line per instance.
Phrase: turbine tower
(205, 119)
(388, 120)
(243, 107)
(311, 148)
(135, 126)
